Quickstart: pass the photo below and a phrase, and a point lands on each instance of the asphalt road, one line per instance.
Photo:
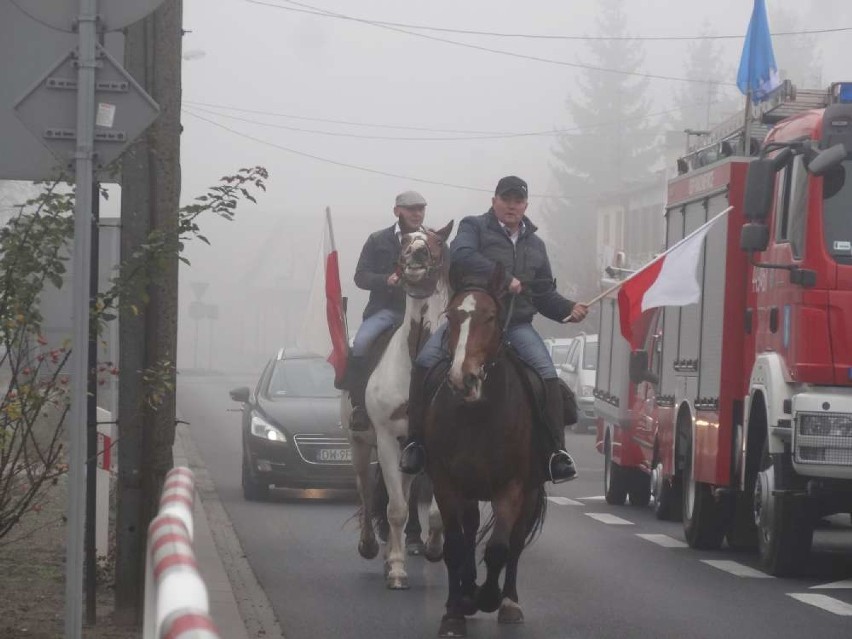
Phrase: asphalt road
(596, 571)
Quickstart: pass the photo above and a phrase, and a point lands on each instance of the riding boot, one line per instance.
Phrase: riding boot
(560, 466)
(357, 377)
(413, 457)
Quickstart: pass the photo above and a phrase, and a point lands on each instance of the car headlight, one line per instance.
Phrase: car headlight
(263, 429)
(587, 391)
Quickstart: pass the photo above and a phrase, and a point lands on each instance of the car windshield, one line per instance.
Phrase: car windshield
(302, 377)
(560, 354)
(590, 356)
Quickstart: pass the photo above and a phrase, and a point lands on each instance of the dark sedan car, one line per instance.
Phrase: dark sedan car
(292, 435)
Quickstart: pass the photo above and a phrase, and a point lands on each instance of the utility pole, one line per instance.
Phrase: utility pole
(149, 201)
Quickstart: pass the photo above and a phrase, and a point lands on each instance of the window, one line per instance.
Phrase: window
(837, 223)
(302, 377)
(793, 200)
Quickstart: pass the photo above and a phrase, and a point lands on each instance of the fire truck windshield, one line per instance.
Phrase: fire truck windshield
(837, 212)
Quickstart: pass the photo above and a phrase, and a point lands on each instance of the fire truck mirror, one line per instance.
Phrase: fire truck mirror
(827, 159)
(754, 237)
(639, 368)
(760, 184)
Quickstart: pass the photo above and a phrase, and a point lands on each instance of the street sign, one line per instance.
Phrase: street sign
(27, 50)
(123, 110)
(62, 14)
(199, 288)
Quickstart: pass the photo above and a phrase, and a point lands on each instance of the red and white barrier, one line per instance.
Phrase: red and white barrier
(176, 602)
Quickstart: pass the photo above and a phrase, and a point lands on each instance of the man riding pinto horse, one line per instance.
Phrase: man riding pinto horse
(506, 236)
(377, 273)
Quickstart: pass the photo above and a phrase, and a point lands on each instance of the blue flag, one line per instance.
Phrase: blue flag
(758, 73)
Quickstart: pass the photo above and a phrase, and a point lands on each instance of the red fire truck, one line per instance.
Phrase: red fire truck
(736, 413)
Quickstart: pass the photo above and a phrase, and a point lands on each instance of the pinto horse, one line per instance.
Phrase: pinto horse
(423, 269)
(479, 440)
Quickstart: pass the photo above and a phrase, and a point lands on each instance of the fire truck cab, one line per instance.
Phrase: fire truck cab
(737, 412)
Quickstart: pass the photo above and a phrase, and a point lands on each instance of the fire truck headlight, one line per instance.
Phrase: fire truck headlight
(826, 425)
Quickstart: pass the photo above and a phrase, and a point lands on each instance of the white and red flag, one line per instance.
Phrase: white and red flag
(669, 280)
(327, 298)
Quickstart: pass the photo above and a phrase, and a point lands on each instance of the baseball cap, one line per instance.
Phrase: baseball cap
(410, 198)
(511, 183)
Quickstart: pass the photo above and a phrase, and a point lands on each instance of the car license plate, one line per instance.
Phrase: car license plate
(334, 455)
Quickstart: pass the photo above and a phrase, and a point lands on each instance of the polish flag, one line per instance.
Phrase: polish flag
(669, 280)
(326, 298)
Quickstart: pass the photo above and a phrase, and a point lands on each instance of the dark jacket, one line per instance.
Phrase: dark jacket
(481, 243)
(378, 260)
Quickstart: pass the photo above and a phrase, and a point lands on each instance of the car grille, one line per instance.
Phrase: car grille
(824, 438)
(322, 450)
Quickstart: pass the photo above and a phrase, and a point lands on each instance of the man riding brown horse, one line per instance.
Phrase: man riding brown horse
(504, 235)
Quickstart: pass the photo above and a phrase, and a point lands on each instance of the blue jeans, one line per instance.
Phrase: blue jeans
(371, 328)
(523, 337)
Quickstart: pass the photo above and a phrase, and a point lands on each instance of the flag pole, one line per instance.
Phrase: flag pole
(618, 285)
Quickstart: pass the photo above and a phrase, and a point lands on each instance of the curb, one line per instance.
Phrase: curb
(238, 604)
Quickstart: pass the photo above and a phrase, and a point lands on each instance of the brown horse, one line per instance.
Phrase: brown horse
(479, 440)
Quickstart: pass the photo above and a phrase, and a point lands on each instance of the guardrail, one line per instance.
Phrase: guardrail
(176, 601)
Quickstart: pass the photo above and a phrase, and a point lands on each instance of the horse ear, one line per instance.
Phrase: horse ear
(498, 283)
(444, 233)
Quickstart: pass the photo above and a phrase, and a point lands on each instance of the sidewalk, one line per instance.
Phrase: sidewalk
(238, 616)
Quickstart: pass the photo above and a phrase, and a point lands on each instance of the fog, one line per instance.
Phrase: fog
(243, 59)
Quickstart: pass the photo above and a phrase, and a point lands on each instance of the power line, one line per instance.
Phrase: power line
(551, 132)
(576, 65)
(357, 167)
(539, 36)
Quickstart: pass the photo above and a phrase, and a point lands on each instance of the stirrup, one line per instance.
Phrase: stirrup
(561, 455)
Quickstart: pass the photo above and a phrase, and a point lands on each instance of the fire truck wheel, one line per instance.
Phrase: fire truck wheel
(665, 495)
(615, 478)
(703, 517)
(640, 488)
(785, 525)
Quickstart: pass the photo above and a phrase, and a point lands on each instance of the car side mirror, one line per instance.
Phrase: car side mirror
(639, 371)
(827, 160)
(760, 184)
(754, 237)
(240, 394)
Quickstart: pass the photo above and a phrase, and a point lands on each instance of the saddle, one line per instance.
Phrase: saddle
(532, 381)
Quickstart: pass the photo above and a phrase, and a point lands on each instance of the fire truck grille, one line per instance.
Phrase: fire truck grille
(824, 438)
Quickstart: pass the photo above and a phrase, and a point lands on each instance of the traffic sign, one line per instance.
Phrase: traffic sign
(62, 14)
(123, 110)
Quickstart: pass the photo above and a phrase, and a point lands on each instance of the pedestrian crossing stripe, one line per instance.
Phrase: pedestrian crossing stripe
(663, 540)
(736, 568)
(606, 518)
(595, 498)
(564, 501)
(846, 583)
(829, 604)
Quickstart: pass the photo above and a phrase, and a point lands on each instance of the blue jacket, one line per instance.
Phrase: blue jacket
(378, 260)
(481, 242)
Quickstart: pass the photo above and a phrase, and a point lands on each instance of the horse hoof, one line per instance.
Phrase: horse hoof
(368, 548)
(452, 627)
(397, 583)
(415, 547)
(434, 552)
(510, 612)
(488, 599)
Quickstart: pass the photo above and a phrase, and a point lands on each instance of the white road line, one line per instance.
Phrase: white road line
(564, 501)
(825, 602)
(606, 518)
(597, 498)
(663, 540)
(846, 583)
(736, 568)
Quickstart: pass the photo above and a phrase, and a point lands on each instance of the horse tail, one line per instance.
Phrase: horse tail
(535, 521)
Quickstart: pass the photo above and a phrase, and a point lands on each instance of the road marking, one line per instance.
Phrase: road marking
(598, 498)
(564, 501)
(663, 540)
(825, 602)
(606, 518)
(736, 568)
(846, 583)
